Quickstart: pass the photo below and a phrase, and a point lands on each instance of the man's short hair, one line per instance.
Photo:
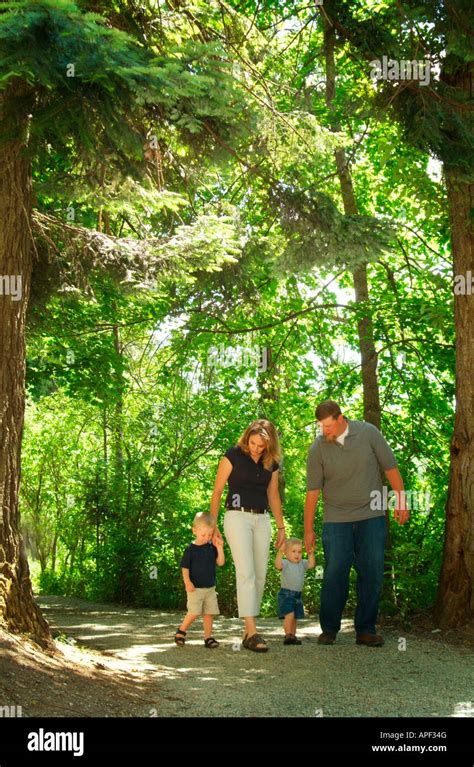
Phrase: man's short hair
(326, 409)
(204, 518)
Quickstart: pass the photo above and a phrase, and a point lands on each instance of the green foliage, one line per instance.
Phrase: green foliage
(137, 383)
(435, 119)
(88, 85)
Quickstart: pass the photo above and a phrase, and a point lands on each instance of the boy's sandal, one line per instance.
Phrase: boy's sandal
(291, 639)
(211, 642)
(179, 637)
(251, 643)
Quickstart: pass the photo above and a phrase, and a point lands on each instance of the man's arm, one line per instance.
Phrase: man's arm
(309, 512)
(314, 483)
(400, 512)
(385, 457)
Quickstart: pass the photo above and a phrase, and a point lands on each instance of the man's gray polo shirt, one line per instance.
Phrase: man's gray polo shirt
(349, 473)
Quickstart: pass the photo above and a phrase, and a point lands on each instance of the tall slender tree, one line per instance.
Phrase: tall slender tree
(365, 328)
(75, 83)
(437, 117)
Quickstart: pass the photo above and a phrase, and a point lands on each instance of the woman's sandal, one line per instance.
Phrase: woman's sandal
(179, 638)
(291, 639)
(250, 643)
(211, 642)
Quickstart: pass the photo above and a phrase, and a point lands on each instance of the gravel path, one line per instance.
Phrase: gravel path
(409, 676)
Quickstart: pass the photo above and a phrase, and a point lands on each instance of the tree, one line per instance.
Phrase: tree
(76, 83)
(438, 119)
(361, 289)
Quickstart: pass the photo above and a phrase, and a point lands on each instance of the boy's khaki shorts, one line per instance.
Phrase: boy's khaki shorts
(203, 602)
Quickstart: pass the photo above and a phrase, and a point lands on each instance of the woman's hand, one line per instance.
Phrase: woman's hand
(280, 539)
(217, 538)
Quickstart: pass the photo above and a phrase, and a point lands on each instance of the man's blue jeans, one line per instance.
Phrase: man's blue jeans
(345, 544)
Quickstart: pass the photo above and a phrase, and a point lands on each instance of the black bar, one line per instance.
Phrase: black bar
(138, 739)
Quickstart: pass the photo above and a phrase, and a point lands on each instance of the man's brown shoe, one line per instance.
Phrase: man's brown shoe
(371, 640)
(326, 638)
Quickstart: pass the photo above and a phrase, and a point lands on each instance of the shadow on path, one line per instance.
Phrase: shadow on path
(408, 676)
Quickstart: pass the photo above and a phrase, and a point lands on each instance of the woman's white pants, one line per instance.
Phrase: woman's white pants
(249, 536)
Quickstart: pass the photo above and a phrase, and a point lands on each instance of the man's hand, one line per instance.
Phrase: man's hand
(401, 514)
(310, 505)
(309, 541)
(217, 538)
(190, 587)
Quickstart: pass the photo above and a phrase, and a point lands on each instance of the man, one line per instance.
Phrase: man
(345, 462)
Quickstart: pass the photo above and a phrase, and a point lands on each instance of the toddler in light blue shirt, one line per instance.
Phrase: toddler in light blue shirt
(290, 603)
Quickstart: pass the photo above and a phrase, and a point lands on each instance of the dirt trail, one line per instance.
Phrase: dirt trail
(123, 662)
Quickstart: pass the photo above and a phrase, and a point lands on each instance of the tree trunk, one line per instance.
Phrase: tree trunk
(268, 387)
(365, 329)
(18, 611)
(118, 408)
(455, 598)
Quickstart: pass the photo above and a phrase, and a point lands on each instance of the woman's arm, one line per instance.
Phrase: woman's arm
(275, 504)
(220, 559)
(223, 473)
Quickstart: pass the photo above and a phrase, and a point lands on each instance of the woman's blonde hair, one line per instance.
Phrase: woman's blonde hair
(266, 430)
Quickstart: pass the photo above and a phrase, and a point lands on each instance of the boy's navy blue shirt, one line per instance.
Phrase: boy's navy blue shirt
(201, 563)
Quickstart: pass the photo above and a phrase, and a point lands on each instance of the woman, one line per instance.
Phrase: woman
(251, 470)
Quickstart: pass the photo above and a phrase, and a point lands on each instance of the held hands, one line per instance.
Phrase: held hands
(280, 539)
(281, 549)
(217, 538)
(310, 541)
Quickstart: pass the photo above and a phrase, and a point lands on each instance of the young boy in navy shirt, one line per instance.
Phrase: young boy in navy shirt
(198, 566)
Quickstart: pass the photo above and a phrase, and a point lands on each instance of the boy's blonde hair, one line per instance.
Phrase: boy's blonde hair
(292, 542)
(204, 518)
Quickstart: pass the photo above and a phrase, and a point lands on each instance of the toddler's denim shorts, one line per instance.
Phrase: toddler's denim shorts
(290, 602)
